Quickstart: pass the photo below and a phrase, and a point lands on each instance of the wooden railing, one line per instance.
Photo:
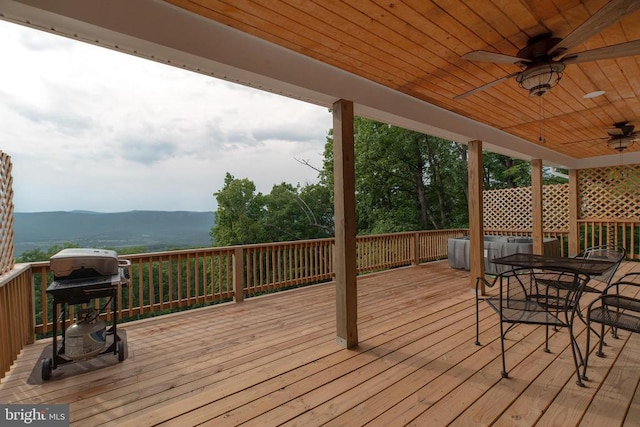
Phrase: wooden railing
(168, 281)
(165, 281)
(621, 232)
(16, 314)
(275, 266)
(592, 232)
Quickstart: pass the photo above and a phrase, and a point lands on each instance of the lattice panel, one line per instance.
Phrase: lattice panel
(507, 209)
(510, 208)
(612, 192)
(555, 207)
(6, 214)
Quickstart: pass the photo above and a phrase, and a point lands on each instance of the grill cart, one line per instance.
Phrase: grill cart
(80, 276)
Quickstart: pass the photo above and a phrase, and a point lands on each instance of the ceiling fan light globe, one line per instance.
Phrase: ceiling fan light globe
(620, 144)
(539, 79)
(539, 90)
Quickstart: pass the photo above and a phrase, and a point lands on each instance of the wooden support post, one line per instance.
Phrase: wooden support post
(476, 223)
(416, 248)
(536, 207)
(238, 275)
(345, 224)
(574, 228)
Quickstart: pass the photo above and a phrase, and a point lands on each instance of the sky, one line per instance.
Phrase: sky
(88, 128)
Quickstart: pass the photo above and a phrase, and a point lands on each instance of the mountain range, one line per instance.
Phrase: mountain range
(153, 230)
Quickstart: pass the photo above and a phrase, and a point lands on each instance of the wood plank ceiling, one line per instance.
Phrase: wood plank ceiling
(416, 47)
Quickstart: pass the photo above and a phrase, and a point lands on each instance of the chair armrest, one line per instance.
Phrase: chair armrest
(617, 300)
(622, 281)
(626, 276)
(621, 302)
(616, 310)
(485, 282)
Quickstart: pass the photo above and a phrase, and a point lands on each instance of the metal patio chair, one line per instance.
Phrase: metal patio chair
(603, 252)
(546, 297)
(615, 309)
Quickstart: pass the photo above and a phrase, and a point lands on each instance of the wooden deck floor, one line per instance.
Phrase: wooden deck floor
(273, 360)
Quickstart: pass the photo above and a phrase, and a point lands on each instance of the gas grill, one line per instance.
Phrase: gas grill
(80, 276)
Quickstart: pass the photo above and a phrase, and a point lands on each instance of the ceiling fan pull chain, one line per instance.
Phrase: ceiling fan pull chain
(542, 139)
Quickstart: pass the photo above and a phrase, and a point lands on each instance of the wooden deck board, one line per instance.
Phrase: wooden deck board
(273, 360)
(613, 398)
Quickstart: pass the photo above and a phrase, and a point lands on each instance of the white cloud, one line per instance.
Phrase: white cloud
(93, 129)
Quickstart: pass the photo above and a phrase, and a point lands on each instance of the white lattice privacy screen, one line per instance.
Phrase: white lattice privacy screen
(612, 192)
(605, 194)
(510, 208)
(6, 214)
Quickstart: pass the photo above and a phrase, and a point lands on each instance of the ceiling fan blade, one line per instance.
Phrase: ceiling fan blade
(484, 56)
(606, 16)
(616, 51)
(621, 129)
(616, 132)
(485, 86)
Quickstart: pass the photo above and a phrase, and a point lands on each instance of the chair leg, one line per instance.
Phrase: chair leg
(614, 330)
(546, 339)
(581, 316)
(477, 320)
(504, 372)
(600, 353)
(575, 351)
(574, 345)
(586, 356)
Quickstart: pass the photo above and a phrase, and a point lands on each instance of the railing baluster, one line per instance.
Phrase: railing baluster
(180, 278)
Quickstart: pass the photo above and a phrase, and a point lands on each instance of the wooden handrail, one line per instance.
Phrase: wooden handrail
(166, 281)
(16, 314)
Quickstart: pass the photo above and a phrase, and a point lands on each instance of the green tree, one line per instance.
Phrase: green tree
(504, 172)
(405, 180)
(36, 255)
(297, 213)
(240, 213)
(286, 213)
(318, 208)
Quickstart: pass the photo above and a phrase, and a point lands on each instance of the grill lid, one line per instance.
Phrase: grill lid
(84, 262)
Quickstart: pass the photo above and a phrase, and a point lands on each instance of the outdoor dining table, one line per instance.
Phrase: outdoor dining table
(568, 276)
(590, 267)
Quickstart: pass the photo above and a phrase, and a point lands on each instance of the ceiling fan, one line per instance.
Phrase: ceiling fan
(544, 57)
(621, 136)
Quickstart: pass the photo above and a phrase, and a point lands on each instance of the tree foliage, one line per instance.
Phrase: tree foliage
(504, 172)
(239, 213)
(296, 213)
(36, 255)
(405, 180)
(286, 213)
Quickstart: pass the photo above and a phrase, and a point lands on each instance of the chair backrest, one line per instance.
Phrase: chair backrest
(553, 288)
(560, 289)
(608, 253)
